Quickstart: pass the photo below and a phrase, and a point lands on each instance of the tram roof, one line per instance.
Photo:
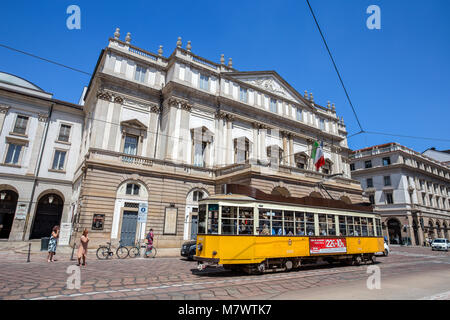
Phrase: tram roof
(243, 192)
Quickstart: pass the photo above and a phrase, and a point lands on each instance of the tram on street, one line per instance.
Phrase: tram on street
(248, 230)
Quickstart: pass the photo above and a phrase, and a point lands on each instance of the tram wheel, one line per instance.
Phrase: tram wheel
(288, 265)
(357, 260)
(261, 267)
(373, 259)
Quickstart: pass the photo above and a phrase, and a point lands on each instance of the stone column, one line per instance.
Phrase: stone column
(115, 124)
(285, 159)
(291, 151)
(255, 146)
(37, 143)
(99, 118)
(152, 129)
(183, 134)
(3, 111)
(230, 147)
(262, 140)
(410, 230)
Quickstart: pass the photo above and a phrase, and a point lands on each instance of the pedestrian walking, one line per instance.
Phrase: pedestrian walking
(52, 244)
(149, 242)
(82, 249)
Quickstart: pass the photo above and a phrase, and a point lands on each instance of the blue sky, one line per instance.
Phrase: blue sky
(397, 77)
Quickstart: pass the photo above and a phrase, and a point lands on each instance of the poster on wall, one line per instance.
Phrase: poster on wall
(21, 211)
(98, 221)
(64, 234)
(170, 221)
(327, 245)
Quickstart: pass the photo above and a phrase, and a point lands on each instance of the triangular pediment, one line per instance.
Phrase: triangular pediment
(269, 81)
(134, 123)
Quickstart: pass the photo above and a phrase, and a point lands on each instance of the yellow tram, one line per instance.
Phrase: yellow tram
(246, 229)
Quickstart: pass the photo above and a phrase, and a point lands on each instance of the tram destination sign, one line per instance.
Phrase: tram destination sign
(327, 245)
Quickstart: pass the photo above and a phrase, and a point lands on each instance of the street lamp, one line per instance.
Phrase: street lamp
(50, 199)
(3, 195)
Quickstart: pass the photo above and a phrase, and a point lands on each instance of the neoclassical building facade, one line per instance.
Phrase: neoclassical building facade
(411, 191)
(154, 134)
(163, 132)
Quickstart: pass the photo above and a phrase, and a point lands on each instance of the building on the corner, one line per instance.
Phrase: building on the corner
(163, 132)
(438, 155)
(410, 190)
(39, 148)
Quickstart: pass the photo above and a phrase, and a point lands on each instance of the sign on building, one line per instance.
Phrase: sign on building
(143, 212)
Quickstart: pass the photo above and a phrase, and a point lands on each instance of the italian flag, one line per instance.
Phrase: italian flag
(317, 155)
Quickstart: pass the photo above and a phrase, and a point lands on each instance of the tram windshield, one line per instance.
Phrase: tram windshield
(215, 218)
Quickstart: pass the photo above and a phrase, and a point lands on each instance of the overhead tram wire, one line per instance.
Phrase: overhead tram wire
(44, 59)
(335, 67)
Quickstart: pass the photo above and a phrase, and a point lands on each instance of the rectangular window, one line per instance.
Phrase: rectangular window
(273, 106)
(322, 124)
(330, 225)
(378, 225)
(387, 180)
(389, 198)
(350, 226)
(300, 223)
(368, 164)
(140, 74)
(245, 220)
(59, 159)
(130, 145)
(342, 226)
(310, 229)
(386, 161)
(213, 219)
(20, 126)
(243, 95)
(264, 222)
(64, 133)
(288, 223)
(372, 199)
(201, 219)
(323, 224)
(357, 226)
(369, 182)
(199, 154)
(277, 222)
(229, 220)
(13, 154)
(352, 166)
(203, 83)
(364, 232)
(299, 114)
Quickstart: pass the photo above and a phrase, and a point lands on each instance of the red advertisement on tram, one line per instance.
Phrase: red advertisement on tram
(327, 245)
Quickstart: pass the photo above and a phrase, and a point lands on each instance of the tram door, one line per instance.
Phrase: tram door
(129, 224)
(194, 223)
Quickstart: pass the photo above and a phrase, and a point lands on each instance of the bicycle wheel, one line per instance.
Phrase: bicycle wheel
(151, 254)
(133, 252)
(122, 252)
(102, 253)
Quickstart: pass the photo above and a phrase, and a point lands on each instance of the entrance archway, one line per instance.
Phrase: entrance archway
(191, 214)
(8, 204)
(48, 214)
(394, 231)
(431, 234)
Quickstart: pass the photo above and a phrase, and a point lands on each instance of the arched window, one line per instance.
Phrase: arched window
(132, 189)
(197, 195)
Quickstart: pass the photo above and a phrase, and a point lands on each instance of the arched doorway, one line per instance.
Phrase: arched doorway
(281, 191)
(48, 214)
(191, 215)
(431, 233)
(8, 203)
(394, 231)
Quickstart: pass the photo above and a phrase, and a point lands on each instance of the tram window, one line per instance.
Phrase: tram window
(323, 224)
(357, 224)
(264, 222)
(364, 232)
(310, 229)
(245, 221)
(300, 223)
(350, 226)
(277, 222)
(288, 223)
(330, 224)
(342, 226)
(202, 219)
(370, 227)
(213, 219)
(378, 222)
(229, 220)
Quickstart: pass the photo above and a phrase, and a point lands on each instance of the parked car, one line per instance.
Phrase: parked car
(386, 251)
(188, 249)
(440, 244)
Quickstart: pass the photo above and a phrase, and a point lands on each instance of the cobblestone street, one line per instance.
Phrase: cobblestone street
(177, 279)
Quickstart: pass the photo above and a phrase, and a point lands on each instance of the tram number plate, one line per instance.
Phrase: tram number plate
(324, 245)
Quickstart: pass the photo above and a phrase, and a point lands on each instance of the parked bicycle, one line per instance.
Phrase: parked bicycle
(136, 251)
(105, 252)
